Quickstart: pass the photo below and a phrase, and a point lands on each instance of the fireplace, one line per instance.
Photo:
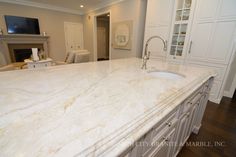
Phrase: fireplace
(20, 52)
(16, 48)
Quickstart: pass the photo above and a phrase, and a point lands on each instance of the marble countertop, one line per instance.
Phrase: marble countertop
(89, 109)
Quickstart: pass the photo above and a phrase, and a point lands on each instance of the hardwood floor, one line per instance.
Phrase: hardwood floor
(217, 134)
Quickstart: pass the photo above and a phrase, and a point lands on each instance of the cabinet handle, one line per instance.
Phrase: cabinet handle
(169, 124)
(165, 139)
(190, 47)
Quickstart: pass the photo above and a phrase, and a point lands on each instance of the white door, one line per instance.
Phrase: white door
(101, 42)
(73, 36)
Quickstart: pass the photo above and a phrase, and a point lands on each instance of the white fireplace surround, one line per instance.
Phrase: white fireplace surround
(5, 40)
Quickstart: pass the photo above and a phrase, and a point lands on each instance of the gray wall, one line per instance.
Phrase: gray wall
(51, 22)
(134, 10)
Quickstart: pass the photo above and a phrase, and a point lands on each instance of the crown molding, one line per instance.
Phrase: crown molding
(43, 6)
(105, 3)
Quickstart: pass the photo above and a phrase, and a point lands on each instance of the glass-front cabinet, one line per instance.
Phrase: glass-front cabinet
(182, 15)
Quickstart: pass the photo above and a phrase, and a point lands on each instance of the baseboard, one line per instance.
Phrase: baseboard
(196, 129)
(228, 94)
(217, 101)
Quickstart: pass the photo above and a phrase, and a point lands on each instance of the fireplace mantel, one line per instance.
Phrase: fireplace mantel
(17, 37)
(21, 39)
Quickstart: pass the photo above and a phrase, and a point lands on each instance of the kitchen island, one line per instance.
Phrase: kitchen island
(100, 109)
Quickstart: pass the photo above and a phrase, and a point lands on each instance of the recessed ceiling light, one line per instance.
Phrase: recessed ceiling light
(81, 6)
(108, 14)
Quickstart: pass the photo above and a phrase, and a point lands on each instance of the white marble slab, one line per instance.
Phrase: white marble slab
(89, 109)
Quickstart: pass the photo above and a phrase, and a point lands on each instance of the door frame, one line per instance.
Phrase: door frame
(95, 34)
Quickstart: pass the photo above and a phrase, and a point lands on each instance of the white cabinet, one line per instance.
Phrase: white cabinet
(201, 32)
(227, 9)
(158, 22)
(159, 13)
(73, 36)
(209, 10)
(213, 39)
(181, 135)
(222, 42)
(197, 52)
(167, 137)
(163, 150)
(212, 42)
(204, 13)
(181, 27)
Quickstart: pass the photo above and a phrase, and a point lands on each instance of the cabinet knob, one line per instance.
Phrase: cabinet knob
(169, 124)
(165, 139)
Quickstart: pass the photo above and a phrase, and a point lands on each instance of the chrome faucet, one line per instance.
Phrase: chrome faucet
(147, 53)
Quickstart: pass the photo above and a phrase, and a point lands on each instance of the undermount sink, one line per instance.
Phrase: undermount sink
(166, 74)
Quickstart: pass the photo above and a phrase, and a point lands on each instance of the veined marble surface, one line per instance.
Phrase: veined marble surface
(89, 109)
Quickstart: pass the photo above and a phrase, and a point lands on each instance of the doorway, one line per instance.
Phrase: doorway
(103, 37)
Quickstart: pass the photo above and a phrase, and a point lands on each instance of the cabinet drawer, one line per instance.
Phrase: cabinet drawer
(162, 146)
(167, 124)
(191, 102)
(158, 133)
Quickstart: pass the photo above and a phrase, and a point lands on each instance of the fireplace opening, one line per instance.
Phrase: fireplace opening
(22, 54)
(22, 51)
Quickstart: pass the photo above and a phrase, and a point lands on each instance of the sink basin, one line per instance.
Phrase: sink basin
(166, 74)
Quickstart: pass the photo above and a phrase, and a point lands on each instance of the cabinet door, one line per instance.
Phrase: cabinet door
(181, 27)
(213, 31)
(199, 113)
(222, 42)
(181, 133)
(191, 120)
(199, 42)
(203, 12)
(159, 12)
(227, 9)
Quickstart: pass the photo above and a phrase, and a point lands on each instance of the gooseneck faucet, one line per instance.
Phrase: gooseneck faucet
(147, 53)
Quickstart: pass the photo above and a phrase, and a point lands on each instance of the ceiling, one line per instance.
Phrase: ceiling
(71, 6)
